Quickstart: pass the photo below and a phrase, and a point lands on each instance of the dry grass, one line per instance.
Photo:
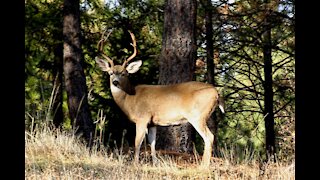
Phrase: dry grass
(60, 155)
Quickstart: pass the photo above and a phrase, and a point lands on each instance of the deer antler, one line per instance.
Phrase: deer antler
(134, 49)
(100, 46)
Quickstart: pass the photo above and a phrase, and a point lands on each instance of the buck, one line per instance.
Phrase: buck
(149, 106)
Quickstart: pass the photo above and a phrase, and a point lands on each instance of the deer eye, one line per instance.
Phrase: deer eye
(111, 73)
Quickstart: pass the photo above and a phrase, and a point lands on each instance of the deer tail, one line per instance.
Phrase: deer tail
(221, 104)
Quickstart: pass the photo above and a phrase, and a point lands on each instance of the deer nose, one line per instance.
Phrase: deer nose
(116, 83)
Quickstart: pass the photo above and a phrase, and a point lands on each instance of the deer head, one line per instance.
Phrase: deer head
(118, 73)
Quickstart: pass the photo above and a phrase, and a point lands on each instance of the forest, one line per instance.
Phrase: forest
(246, 49)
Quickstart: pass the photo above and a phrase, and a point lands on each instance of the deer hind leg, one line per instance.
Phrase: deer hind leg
(140, 134)
(152, 140)
(207, 137)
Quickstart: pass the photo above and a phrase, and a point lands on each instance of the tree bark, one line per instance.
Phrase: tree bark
(58, 79)
(75, 81)
(213, 121)
(177, 61)
(268, 92)
(209, 41)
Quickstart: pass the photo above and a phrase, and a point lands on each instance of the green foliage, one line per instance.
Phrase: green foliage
(239, 68)
(43, 30)
(44, 35)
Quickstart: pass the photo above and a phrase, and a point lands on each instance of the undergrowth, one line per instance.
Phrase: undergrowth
(59, 154)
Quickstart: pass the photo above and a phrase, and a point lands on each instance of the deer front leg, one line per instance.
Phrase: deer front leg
(140, 133)
(152, 140)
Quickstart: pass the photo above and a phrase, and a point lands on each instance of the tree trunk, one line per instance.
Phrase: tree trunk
(209, 41)
(213, 121)
(268, 92)
(58, 75)
(177, 61)
(75, 81)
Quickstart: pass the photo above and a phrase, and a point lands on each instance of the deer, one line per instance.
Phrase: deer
(149, 106)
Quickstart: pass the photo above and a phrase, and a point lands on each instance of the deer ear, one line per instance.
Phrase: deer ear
(102, 64)
(134, 66)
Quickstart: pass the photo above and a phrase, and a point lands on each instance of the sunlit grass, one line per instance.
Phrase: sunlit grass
(56, 154)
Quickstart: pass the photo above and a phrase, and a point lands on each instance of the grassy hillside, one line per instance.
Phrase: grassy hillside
(60, 155)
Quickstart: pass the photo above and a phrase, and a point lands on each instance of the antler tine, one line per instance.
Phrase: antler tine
(100, 46)
(134, 49)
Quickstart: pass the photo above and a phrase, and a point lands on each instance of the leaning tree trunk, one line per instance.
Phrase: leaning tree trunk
(177, 61)
(75, 81)
(268, 92)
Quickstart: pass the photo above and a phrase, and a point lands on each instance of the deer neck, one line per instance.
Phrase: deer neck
(120, 94)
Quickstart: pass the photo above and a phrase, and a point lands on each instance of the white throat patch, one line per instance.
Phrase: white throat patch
(115, 89)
